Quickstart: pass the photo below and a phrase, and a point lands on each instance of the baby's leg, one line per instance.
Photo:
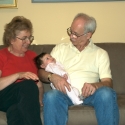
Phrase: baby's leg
(74, 95)
(52, 86)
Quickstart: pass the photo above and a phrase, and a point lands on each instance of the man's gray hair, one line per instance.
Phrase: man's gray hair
(90, 25)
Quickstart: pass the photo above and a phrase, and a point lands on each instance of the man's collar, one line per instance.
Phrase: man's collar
(90, 44)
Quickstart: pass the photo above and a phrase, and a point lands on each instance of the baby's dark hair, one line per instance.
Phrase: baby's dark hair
(38, 61)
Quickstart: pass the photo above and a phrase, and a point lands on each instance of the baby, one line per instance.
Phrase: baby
(47, 62)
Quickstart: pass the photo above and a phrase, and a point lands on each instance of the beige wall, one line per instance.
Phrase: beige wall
(51, 20)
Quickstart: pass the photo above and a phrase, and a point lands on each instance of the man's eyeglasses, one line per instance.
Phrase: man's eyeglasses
(73, 34)
(31, 38)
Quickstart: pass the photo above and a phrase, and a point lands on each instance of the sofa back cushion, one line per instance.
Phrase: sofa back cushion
(116, 53)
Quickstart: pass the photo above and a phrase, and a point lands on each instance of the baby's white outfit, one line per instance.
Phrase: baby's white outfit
(57, 68)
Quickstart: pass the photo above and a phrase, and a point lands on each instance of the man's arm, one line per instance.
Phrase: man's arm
(104, 68)
(104, 82)
(90, 88)
(43, 75)
(59, 82)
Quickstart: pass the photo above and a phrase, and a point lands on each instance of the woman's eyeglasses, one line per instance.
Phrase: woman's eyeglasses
(31, 38)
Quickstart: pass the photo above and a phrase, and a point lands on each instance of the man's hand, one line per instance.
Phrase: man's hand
(60, 83)
(88, 89)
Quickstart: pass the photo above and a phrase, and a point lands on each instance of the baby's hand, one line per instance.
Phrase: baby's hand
(65, 76)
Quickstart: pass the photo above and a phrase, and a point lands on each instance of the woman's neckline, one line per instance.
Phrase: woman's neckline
(17, 55)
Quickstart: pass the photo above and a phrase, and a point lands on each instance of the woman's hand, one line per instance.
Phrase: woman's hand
(28, 75)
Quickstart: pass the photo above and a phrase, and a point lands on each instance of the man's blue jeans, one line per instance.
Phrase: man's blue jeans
(104, 101)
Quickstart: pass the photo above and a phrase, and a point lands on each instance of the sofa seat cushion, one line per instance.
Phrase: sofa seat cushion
(121, 104)
(79, 115)
(3, 120)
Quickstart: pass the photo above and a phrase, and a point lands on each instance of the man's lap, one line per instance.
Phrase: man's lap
(101, 93)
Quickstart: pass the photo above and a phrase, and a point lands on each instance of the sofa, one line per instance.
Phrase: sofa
(84, 115)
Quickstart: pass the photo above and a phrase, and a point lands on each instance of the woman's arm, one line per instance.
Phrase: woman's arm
(6, 81)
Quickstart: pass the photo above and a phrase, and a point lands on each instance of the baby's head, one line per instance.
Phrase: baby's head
(43, 59)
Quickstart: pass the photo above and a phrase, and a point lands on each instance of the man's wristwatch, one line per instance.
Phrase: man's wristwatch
(49, 76)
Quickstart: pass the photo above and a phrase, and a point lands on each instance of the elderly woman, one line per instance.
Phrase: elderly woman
(20, 89)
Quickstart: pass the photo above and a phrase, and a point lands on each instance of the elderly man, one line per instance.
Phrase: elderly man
(89, 69)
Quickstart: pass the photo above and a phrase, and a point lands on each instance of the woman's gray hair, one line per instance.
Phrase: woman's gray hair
(90, 25)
